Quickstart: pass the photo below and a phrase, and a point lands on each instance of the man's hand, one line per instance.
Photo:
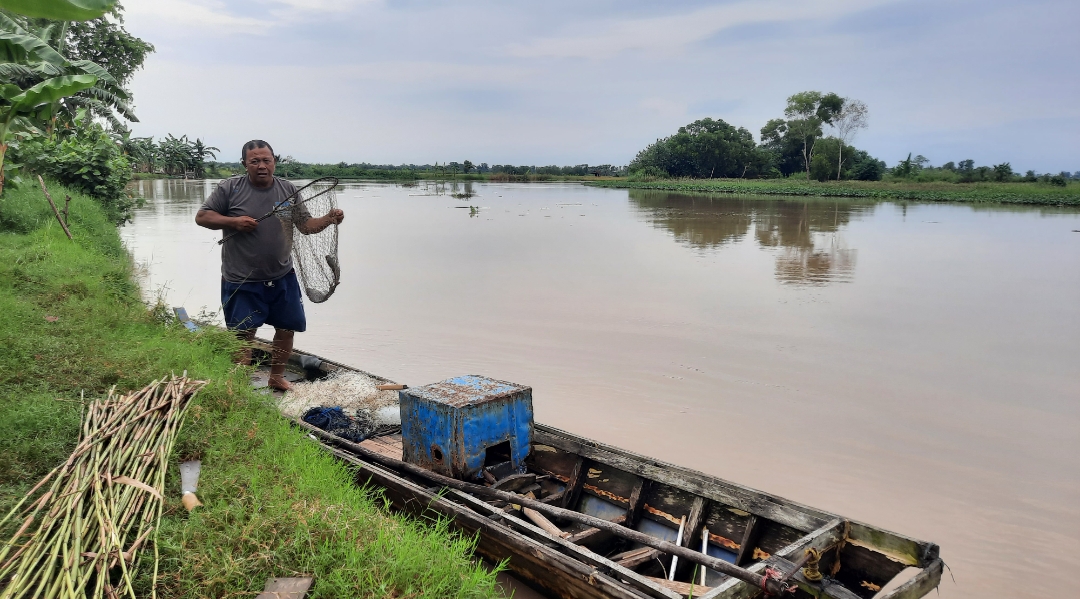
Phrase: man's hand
(243, 224)
(213, 220)
(336, 216)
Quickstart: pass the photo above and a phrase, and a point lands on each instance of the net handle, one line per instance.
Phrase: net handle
(332, 181)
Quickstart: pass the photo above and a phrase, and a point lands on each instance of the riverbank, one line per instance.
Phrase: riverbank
(275, 505)
(1004, 193)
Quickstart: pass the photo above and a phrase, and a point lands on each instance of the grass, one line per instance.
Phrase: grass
(275, 504)
(1007, 193)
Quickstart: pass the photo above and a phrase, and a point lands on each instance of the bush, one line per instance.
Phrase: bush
(821, 168)
(1058, 180)
(868, 170)
(89, 162)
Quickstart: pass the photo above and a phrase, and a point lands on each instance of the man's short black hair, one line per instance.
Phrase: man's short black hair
(251, 145)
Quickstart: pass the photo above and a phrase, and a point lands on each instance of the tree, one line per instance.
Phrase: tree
(806, 113)
(706, 148)
(847, 122)
(466, 166)
(1003, 172)
(786, 149)
(905, 168)
(32, 51)
(199, 152)
(106, 42)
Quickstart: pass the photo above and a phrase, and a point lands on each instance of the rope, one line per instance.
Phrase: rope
(810, 571)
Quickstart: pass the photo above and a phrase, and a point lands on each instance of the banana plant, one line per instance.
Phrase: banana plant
(27, 57)
(60, 10)
(20, 103)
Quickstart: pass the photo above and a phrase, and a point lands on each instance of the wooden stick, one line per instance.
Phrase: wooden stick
(539, 520)
(678, 541)
(771, 585)
(67, 204)
(55, 211)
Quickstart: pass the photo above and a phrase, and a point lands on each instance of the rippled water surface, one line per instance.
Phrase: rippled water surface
(912, 366)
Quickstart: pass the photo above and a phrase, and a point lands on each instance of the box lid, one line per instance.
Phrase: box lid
(467, 390)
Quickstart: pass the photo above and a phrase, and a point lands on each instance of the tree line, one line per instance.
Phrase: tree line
(710, 148)
(965, 171)
(287, 166)
(177, 156)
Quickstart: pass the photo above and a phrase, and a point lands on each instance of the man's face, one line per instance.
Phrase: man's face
(260, 166)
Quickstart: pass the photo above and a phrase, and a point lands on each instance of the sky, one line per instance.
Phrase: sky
(572, 82)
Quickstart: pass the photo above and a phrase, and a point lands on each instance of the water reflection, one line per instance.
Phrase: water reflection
(806, 235)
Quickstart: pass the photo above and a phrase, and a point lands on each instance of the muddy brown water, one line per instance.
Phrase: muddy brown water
(913, 366)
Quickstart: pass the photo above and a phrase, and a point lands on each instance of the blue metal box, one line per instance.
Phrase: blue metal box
(460, 425)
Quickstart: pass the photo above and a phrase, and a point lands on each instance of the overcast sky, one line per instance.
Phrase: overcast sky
(570, 82)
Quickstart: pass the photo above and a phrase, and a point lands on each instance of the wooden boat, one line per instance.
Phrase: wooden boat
(752, 530)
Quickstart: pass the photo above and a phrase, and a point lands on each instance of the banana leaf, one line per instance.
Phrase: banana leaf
(25, 48)
(60, 10)
(51, 90)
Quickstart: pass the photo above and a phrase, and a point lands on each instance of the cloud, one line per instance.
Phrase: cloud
(671, 34)
(204, 14)
(424, 81)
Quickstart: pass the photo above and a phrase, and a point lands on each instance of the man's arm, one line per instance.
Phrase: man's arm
(314, 225)
(216, 221)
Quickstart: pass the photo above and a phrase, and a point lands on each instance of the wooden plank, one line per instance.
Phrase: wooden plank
(637, 499)
(823, 589)
(542, 521)
(638, 559)
(749, 541)
(553, 498)
(865, 570)
(821, 539)
(920, 585)
(711, 562)
(695, 522)
(682, 588)
(573, 485)
(530, 560)
(631, 553)
(592, 534)
(800, 517)
(907, 550)
(601, 564)
(286, 588)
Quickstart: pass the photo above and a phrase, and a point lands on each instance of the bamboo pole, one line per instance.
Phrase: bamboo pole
(54, 209)
(87, 524)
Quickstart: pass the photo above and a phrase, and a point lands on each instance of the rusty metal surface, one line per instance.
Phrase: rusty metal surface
(470, 389)
(448, 427)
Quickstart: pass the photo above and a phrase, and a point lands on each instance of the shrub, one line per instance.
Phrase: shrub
(868, 170)
(821, 168)
(89, 162)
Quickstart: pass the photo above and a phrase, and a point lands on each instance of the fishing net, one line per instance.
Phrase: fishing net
(314, 252)
(334, 421)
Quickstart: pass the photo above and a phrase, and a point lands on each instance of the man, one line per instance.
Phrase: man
(258, 284)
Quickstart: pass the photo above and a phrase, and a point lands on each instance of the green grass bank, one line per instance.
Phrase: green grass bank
(275, 504)
(1005, 193)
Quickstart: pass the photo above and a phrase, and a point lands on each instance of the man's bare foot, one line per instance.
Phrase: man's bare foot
(278, 382)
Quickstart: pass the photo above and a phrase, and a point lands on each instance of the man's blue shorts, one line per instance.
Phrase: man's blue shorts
(255, 303)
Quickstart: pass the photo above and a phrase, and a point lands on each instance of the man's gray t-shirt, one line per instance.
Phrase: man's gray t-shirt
(262, 254)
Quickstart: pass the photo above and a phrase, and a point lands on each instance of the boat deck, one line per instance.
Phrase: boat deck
(387, 445)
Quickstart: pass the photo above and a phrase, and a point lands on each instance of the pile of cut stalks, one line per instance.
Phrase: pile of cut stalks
(88, 523)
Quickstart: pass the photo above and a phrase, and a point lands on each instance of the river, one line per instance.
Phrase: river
(914, 366)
